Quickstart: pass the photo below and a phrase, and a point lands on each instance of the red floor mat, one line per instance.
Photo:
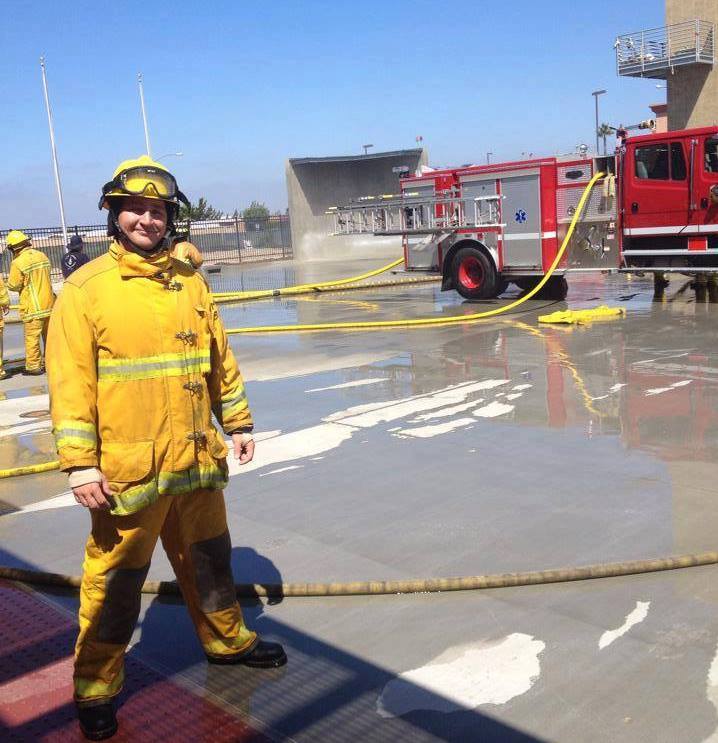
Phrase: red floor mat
(36, 642)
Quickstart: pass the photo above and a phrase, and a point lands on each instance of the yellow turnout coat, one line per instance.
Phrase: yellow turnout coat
(138, 361)
(30, 275)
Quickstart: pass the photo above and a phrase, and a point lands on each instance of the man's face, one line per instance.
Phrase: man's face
(143, 220)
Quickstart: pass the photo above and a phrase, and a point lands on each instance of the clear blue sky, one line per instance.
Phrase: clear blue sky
(239, 87)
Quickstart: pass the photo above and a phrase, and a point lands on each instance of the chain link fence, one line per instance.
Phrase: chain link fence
(221, 241)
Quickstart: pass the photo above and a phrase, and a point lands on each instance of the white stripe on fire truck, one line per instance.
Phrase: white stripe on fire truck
(673, 230)
(529, 236)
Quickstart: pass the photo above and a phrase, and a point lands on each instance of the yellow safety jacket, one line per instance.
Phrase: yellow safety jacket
(138, 361)
(30, 275)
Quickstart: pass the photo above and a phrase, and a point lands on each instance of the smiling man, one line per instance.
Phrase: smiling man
(138, 361)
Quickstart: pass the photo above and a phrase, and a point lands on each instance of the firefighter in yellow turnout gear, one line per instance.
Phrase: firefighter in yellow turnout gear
(4, 309)
(30, 276)
(138, 361)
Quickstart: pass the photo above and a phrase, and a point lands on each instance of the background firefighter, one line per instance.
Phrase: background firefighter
(74, 256)
(30, 276)
(138, 362)
(4, 309)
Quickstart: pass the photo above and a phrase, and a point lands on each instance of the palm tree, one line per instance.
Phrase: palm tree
(604, 131)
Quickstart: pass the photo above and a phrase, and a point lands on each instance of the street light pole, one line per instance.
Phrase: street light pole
(144, 114)
(55, 165)
(595, 95)
(366, 147)
(170, 154)
(488, 157)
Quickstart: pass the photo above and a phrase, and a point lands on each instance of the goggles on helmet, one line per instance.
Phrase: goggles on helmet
(143, 180)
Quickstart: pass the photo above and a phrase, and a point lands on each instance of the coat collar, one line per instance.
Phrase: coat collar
(155, 266)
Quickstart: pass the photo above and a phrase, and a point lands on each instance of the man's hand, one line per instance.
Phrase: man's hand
(95, 495)
(5, 309)
(243, 447)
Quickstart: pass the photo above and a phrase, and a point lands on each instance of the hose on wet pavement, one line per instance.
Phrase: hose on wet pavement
(421, 322)
(30, 469)
(398, 587)
(302, 288)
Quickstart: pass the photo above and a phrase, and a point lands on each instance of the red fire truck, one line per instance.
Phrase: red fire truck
(484, 226)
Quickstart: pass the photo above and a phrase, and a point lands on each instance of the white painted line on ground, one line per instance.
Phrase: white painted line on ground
(279, 448)
(427, 432)
(493, 409)
(465, 677)
(283, 469)
(635, 617)
(712, 693)
(452, 410)
(357, 383)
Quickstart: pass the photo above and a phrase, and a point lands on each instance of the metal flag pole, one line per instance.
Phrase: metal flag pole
(58, 185)
(144, 114)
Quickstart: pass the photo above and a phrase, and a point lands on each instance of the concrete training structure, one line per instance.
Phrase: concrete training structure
(316, 183)
(692, 91)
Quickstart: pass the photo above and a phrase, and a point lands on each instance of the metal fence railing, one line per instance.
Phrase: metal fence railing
(656, 51)
(219, 241)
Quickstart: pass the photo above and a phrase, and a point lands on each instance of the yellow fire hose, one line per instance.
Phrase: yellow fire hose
(435, 321)
(305, 288)
(420, 585)
(334, 288)
(29, 469)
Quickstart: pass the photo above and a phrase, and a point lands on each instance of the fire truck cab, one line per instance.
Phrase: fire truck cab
(485, 226)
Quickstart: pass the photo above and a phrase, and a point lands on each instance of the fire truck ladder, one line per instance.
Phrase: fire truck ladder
(414, 214)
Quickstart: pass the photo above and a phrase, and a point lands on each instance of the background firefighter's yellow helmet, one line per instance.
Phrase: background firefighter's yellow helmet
(145, 177)
(17, 239)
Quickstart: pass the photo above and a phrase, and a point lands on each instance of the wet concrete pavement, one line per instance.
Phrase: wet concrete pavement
(492, 447)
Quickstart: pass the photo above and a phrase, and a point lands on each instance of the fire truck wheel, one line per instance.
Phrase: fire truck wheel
(555, 288)
(474, 274)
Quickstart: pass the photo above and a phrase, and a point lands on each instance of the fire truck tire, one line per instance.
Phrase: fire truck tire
(555, 288)
(474, 274)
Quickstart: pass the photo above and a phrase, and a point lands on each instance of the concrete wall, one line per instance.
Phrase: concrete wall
(315, 184)
(692, 90)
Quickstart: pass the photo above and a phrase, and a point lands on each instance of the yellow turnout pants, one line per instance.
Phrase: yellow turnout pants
(193, 529)
(34, 330)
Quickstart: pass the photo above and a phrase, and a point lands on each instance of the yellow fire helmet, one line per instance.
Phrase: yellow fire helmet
(145, 177)
(17, 239)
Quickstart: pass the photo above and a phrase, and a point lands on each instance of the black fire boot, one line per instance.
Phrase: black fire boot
(262, 655)
(34, 372)
(97, 721)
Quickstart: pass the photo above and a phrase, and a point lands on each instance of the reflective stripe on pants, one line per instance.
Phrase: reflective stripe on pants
(34, 330)
(193, 529)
